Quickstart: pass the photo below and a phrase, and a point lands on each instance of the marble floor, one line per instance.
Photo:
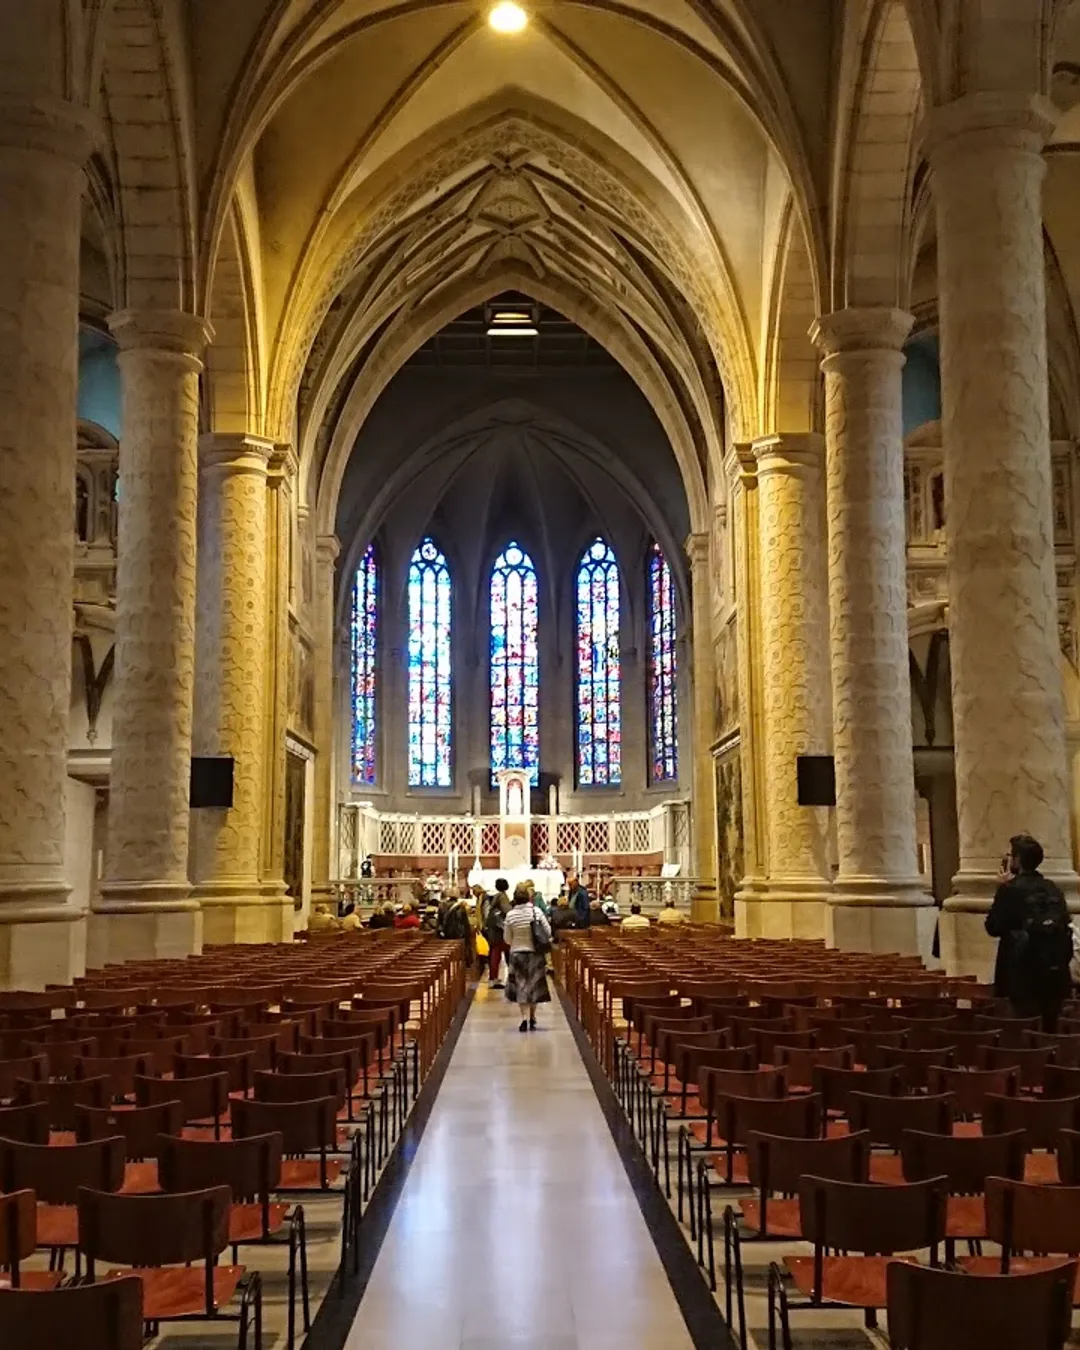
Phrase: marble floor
(517, 1228)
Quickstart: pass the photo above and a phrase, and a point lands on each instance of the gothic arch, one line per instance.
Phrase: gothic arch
(234, 385)
(790, 379)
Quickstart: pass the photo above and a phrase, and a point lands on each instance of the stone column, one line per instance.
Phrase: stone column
(327, 549)
(878, 902)
(794, 678)
(705, 904)
(279, 537)
(146, 910)
(42, 149)
(230, 685)
(1008, 709)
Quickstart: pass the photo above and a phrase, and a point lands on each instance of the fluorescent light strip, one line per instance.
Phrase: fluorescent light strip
(513, 332)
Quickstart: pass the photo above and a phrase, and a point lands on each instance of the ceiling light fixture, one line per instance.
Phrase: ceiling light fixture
(507, 17)
(517, 323)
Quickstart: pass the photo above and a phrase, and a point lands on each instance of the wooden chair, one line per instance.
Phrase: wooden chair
(1061, 1080)
(1042, 1120)
(873, 1221)
(28, 1124)
(886, 1118)
(202, 1099)
(950, 1310)
(34, 1068)
(1022, 1219)
(835, 1086)
(965, 1161)
(1066, 1048)
(306, 1127)
(238, 1068)
(914, 1064)
(55, 1176)
(798, 1064)
(62, 1097)
(971, 1087)
(121, 1070)
(1032, 1062)
(173, 1243)
(18, 1241)
(106, 1316)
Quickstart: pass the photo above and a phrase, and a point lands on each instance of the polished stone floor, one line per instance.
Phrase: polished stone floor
(517, 1228)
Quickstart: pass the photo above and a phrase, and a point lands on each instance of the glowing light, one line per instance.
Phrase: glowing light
(507, 17)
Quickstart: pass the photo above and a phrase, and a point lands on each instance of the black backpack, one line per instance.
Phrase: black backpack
(1043, 944)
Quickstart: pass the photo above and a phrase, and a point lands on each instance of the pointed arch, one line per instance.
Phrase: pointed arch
(790, 370)
(599, 674)
(430, 600)
(515, 663)
(233, 385)
(364, 634)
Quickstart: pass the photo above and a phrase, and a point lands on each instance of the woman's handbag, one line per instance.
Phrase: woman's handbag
(540, 934)
(482, 948)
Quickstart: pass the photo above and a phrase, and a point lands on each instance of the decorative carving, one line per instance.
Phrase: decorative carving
(94, 681)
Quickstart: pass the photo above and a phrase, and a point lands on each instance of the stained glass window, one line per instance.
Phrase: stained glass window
(515, 665)
(365, 635)
(663, 703)
(599, 714)
(430, 683)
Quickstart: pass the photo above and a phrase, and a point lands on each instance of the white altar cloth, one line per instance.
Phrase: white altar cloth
(547, 880)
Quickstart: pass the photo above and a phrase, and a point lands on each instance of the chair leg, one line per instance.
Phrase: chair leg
(778, 1309)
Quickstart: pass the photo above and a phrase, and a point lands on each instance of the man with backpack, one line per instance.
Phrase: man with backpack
(1030, 917)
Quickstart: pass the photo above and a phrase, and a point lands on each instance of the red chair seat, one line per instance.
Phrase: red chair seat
(783, 1217)
(246, 1221)
(740, 1175)
(1018, 1265)
(38, 1281)
(57, 1226)
(965, 1217)
(180, 1291)
(855, 1281)
(303, 1174)
(1041, 1169)
(141, 1178)
(887, 1169)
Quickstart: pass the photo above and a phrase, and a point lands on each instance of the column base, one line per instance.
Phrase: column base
(39, 952)
(145, 921)
(246, 913)
(966, 947)
(783, 907)
(876, 914)
(704, 905)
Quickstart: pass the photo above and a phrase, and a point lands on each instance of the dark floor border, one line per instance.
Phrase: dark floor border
(704, 1320)
(333, 1323)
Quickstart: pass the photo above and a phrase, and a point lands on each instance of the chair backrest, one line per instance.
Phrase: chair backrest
(971, 1087)
(63, 1097)
(304, 1126)
(1023, 1217)
(121, 1069)
(154, 1230)
(738, 1083)
(237, 1068)
(56, 1174)
(28, 1123)
(250, 1167)
(799, 1063)
(876, 1220)
(18, 1229)
(1066, 1047)
(34, 1068)
(1068, 1157)
(776, 1162)
(691, 1060)
(966, 1045)
(965, 1160)
(837, 1085)
(1041, 1119)
(300, 1087)
(1031, 1062)
(140, 1126)
(105, 1316)
(1060, 1080)
(933, 1309)
(916, 1064)
(886, 1118)
(200, 1098)
(261, 1049)
(794, 1117)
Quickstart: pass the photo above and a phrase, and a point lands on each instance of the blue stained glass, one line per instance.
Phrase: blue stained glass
(663, 699)
(515, 664)
(599, 709)
(430, 683)
(365, 636)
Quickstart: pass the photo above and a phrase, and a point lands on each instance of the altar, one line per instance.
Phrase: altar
(515, 836)
(547, 880)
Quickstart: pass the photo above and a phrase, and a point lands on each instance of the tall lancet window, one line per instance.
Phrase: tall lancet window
(515, 664)
(599, 713)
(430, 678)
(663, 703)
(365, 639)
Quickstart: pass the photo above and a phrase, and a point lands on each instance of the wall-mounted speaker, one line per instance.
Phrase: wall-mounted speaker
(212, 782)
(817, 780)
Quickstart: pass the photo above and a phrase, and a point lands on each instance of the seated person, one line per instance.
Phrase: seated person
(351, 922)
(562, 917)
(635, 919)
(410, 917)
(669, 914)
(382, 918)
(320, 920)
(597, 915)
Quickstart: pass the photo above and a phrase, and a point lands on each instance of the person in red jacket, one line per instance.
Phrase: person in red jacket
(409, 917)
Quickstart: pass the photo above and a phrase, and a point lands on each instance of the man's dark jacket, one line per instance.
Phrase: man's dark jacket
(1004, 921)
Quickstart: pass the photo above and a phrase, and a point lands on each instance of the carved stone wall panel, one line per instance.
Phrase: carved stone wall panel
(704, 729)
(327, 549)
(1008, 706)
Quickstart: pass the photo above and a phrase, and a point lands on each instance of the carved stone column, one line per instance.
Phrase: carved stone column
(230, 675)
(42, 149)
(795, 679)
(145, 908)
(705, 905)
(1008, 708)
(327, 549)
(279, 537)
(878, 901)
(740, 469)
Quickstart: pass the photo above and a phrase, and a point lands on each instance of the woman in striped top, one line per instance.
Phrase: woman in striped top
(527, 985)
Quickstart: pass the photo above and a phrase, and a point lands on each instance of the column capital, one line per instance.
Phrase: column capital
(862, 331)
(169, 332)
(52, 126)
(697, 550)
(284, 465)
(740, 466)
(993, 118)
(234, 452)
(327, 548)
(792, 453)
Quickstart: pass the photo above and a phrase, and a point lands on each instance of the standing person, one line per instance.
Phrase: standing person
(528, 965)
(578, 898)
(1030, 919)
(455, 926)
(494, 924)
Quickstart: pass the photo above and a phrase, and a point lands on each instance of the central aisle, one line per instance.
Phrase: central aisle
(517, 1228)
